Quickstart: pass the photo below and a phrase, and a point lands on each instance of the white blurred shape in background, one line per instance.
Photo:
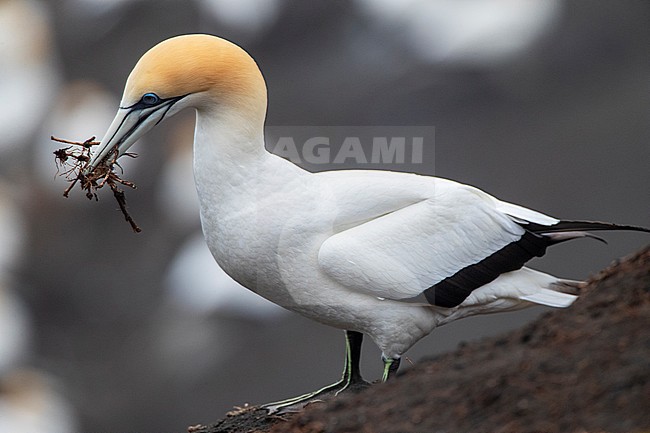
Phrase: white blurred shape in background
(197, 283)
(176, 193)
(28, 75)
(12, 231)
(252, 16)
(95, 8)
(15, 331)
(470, 32)
(28, 403)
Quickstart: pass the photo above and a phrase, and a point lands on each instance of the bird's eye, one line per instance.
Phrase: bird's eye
(150, 99)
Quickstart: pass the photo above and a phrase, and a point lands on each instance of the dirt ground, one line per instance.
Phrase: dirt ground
(582, 369)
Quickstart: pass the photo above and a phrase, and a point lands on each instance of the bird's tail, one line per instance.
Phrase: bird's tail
(560, 293)
(572, 287)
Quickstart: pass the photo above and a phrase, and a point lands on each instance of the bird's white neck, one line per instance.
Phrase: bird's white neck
(233, 174)
(230, 161)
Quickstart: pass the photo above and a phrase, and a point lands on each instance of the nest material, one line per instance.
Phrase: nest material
(73, 163)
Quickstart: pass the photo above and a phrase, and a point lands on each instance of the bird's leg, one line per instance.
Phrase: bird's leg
(351, 370)
(390, 367)
(350, 379)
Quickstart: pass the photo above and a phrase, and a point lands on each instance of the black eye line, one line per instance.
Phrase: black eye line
(140, 105)
(141, 120)
(169, 106)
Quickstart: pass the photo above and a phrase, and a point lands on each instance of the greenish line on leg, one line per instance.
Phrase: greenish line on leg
(351, 374)
(390, 368)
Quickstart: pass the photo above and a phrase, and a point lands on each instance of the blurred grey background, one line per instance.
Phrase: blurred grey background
(543, 103)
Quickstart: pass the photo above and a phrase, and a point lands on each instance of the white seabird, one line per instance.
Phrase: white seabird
(350, 248)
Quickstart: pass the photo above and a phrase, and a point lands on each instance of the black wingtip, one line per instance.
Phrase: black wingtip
(598, 238)
(575, 225)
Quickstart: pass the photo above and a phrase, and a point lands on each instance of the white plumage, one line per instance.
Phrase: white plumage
(352, 249)
(198, 285)
(448, 224)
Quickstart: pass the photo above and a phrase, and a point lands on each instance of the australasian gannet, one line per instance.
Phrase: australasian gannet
(348, 248)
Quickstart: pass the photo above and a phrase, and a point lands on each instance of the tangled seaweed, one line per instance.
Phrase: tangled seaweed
(73, 163)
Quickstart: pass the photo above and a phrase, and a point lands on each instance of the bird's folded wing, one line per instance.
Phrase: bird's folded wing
(444, 246)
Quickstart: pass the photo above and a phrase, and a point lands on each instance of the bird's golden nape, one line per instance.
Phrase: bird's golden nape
(192, 64)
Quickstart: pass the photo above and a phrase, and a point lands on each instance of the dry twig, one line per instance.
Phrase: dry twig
(73, 162)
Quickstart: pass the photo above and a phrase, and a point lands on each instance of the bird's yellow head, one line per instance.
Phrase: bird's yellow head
(195, 64)
(200, 71)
